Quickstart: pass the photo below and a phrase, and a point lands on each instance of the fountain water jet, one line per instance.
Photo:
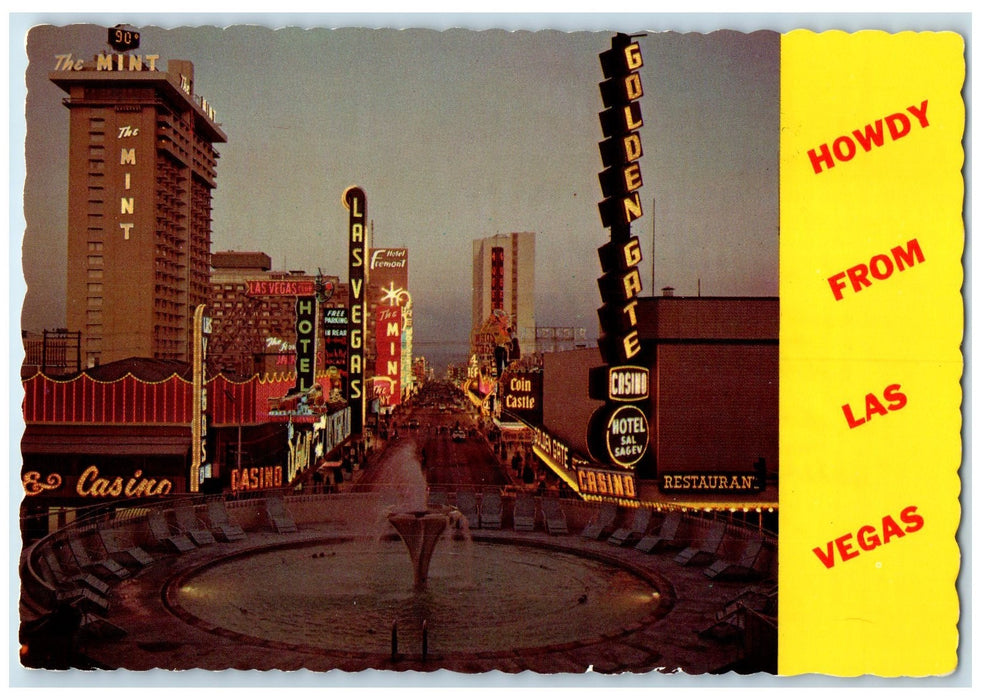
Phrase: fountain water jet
(419, 526)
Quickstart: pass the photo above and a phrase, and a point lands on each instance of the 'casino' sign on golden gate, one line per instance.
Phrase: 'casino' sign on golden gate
(618, 431)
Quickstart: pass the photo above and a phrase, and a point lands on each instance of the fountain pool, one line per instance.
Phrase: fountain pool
(345, 594)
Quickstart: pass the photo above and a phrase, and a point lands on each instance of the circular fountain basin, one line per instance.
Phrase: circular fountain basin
(480, 597)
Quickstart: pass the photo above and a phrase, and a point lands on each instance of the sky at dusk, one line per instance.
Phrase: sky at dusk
(453, 135)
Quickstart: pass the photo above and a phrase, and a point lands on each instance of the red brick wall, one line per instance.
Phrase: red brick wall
(565, 390)
(717, 406)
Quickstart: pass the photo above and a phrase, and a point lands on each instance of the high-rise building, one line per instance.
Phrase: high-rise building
(141, 171)
(504, 280)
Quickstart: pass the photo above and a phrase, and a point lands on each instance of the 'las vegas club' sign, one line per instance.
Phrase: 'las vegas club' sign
(618, 431)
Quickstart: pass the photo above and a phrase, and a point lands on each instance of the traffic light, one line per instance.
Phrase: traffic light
(620, 121)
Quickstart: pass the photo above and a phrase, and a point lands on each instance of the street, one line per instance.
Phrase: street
(452, 451)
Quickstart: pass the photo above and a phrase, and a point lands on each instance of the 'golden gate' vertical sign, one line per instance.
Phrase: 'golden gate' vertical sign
(618, 431)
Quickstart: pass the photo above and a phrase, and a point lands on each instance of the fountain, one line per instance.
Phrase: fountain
(420, 531)
(340, 594)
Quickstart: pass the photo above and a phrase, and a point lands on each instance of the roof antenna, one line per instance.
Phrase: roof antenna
(653, 232)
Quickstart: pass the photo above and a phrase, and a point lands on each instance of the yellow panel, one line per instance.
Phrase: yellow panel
(870, 395)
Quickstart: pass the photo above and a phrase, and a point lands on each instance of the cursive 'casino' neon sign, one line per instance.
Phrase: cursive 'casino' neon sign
(91, 484)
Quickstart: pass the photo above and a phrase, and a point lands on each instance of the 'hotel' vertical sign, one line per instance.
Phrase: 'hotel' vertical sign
(356, 203)
(619, 431)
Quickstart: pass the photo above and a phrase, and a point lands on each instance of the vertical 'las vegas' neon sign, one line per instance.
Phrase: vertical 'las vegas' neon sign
(356, 203)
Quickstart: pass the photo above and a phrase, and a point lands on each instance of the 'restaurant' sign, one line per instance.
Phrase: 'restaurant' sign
(716, 482)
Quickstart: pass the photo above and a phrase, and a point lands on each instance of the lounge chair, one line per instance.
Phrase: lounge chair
(555, 522)
(87, 562)
(162, 534)
(85, 592)
(704, 550)
(664, 537)
(192, 526)
(279, 517)
(602, 523)
(84, 600)
(491, 510)
(730, 620)
(742, 567)
(466, 503)
(93, 625)
(524, 512)
(114, 545)
(222, 524)
(71, 577)
(636, 530)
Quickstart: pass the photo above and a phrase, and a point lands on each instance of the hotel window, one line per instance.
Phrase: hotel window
(95, 246)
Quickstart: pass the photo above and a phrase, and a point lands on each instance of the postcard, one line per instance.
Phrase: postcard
(625, 350)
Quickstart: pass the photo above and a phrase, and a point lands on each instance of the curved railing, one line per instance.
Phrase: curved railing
(39, 591)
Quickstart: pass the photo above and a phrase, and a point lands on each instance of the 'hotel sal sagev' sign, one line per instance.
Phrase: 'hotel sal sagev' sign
(619, 431)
